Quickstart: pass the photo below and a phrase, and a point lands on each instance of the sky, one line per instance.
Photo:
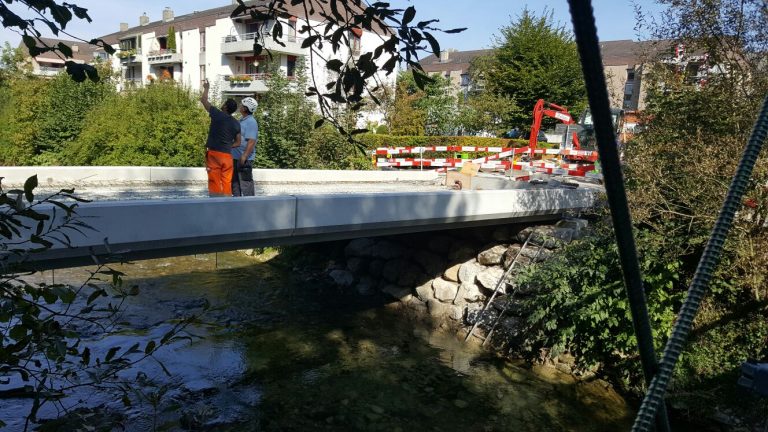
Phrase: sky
(483, 18)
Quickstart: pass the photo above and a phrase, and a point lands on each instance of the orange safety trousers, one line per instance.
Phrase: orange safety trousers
(219, 167)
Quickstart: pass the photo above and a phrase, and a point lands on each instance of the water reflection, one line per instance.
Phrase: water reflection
(280, 353)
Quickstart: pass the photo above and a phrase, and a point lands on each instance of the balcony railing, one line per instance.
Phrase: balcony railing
(49, 71)
(254, 35)
(130, 55)
(243, 43)
(163, 56)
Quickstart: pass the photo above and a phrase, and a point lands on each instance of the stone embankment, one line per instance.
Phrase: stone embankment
(450, 275)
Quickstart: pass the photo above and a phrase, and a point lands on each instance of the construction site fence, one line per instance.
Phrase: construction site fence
(373, 141)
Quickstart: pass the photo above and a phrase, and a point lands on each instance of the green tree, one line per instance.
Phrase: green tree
(66, 106)
(534, 58)
(171, 43)
(483, 111)
(158, 125)
(430, 110)
(21, 112)
(285, 118)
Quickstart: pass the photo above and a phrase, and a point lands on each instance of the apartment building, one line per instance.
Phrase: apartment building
(624, 63)
(50, 64)
(212, 45)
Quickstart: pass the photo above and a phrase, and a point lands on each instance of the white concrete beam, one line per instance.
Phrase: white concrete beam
(151, 229)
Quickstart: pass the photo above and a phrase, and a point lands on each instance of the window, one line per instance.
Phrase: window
(464, 79)
(292, 29)
(252, 27)
(163, 41)
(627, 97)
(202, 73)
(629, 88)
(202, 41)
(630, 75)
(355, 36)
(127, 44)
(291, 66)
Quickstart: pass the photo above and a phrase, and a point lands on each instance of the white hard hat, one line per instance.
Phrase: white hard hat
(250, 103)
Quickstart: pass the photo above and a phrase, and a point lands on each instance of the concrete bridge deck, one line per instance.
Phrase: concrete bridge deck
(143, 229)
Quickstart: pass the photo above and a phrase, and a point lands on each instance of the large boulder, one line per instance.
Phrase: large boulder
(452, 273)
(469, 270)
(533, 253)
(376, 267)
(361, 247)
(489, 277)
(357, 265)
(398, 292)
(445, 291)
(492, 256)
(437, 309)
(388, 250)
(461, 252)
(432, 263)
(366, 286)
(424, 291)
(342, 278)
(392, 269)
(470, 292)
(551, 237)
(441, 311)
(410, 274)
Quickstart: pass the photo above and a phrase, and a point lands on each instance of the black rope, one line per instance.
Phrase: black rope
(592, 67)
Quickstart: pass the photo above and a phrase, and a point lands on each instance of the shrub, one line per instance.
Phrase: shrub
(159, 125)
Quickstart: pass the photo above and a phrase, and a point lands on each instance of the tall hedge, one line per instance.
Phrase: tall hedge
(159, 125)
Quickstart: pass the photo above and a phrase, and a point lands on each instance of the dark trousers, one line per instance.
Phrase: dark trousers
(242, 179)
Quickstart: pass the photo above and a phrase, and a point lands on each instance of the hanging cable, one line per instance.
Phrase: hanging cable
(703, 275)
(594, 77)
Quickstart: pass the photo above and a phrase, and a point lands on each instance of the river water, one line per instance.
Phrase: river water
(280, 352)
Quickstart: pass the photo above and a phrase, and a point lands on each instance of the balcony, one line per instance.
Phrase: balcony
(244, 84)
(132, 83)
(130, 56)
(163, 56)
(49, 71)
(243, 44)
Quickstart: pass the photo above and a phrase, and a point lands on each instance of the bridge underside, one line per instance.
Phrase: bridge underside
(162, 228)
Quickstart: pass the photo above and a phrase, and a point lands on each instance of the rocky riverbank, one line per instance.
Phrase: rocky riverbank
(449, 277)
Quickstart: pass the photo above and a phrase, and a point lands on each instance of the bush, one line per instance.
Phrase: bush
(158, 125)
(328, 149)
(580, 303)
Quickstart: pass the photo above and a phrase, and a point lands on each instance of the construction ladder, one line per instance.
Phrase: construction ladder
(502, 282)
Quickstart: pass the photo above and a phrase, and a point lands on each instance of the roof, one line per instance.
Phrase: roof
(457, 60)
(615, 53)
(629, 52)
(81, 51)
(198, 19)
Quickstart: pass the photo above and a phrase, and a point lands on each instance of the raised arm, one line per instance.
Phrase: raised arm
(204, 96)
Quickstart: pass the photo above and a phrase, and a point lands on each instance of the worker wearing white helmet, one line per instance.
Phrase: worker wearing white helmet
(244, 154)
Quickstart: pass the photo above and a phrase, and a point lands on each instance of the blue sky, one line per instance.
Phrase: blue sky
(483, 18)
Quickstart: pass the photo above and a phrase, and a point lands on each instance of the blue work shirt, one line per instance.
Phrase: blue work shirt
(249, 129)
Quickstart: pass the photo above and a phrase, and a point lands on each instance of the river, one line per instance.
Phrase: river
(281, 351)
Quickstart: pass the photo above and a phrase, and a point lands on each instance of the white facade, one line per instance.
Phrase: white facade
(222, 52)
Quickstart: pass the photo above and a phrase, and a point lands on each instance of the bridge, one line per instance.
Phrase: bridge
(142, 229)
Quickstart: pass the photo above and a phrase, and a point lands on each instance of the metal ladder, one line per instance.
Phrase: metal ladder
(499, 284)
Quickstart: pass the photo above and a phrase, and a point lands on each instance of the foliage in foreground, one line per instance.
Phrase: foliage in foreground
(46, 330)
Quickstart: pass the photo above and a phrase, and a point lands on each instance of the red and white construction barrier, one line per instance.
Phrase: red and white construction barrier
(494, 161)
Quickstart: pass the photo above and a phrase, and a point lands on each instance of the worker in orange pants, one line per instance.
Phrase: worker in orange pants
(219, 167)
(224, 133)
